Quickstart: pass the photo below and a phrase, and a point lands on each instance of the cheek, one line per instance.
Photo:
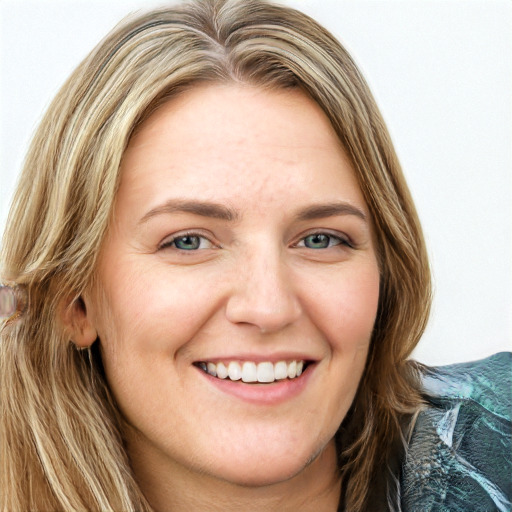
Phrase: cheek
(151, 307)
(345, 316)
(146, 317)
(344, 307)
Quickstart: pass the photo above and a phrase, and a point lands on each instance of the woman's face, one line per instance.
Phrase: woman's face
(241, 251)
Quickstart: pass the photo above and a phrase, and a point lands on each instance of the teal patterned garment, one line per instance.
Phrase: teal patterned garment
(459, 457)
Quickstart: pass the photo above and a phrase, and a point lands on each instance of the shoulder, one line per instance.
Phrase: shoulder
(460, 449)
(486, 383)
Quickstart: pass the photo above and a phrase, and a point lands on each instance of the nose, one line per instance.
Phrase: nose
(263, 294)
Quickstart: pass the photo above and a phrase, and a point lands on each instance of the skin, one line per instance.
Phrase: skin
(254, 289)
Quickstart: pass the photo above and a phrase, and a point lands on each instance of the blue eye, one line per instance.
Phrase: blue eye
(321, 241)
(187, 242)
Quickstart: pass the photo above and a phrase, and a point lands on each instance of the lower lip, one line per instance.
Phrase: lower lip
(262, 394)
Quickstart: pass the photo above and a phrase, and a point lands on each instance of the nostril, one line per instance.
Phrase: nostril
(267, 314)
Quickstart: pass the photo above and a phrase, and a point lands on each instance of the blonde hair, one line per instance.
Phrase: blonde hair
(61, 445)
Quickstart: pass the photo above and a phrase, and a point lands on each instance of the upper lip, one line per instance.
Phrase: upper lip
(260, 358)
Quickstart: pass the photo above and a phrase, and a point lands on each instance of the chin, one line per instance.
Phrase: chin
(264, 475)
(267, 469)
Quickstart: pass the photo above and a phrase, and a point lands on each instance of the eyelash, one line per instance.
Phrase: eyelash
(341, 241)
(168, 243)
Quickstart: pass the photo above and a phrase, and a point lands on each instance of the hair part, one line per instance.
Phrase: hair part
(61, 444)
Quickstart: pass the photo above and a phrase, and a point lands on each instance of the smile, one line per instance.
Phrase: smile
(251, 372)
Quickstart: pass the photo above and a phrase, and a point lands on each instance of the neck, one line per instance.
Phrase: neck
(169, 486)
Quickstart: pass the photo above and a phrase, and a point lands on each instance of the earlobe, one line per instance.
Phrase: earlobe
(78, 324)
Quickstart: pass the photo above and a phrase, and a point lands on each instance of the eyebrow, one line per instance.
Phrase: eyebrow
(203, 209)
(219, 211)
(330, 210)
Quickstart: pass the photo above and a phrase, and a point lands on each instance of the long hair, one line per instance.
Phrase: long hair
(61, 444)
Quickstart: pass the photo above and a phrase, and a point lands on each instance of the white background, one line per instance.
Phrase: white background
(441, 71)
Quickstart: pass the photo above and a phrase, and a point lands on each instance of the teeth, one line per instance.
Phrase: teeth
(266, 372)
(222, 371)
(280, 370)
(234, 371)
(292, 370)
(251, 372)
(211, 369)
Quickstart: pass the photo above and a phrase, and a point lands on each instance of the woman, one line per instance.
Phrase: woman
(225, 275)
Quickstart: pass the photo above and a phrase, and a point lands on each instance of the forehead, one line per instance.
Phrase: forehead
(228, 142)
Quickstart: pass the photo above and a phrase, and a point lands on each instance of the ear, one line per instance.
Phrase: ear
(77, 323)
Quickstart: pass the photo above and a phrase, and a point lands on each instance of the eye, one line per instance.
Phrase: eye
(187, 242)
(321, 241)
